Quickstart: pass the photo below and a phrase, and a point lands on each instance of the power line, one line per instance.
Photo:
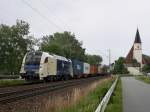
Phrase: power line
(43, 16)
(59, 19)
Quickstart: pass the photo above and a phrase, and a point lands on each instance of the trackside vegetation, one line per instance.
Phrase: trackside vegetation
(115, 102)
(90, 102)
(5, 83)
(145, 79)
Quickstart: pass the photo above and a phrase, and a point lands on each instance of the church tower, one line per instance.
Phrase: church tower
(137, 48)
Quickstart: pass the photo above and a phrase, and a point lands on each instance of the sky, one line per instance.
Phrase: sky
(100, 24)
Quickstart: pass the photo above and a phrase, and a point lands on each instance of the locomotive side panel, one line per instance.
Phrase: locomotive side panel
(63, 67)
(48, 67)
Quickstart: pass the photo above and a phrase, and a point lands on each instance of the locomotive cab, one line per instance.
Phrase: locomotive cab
(31, 64)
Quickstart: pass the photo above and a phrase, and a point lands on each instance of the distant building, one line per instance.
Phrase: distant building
(135, 58)
(135, 53)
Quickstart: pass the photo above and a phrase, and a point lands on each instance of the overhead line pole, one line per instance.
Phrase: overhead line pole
(109, 51)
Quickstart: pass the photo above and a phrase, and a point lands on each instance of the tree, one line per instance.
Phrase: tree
(105, 69)
(13, 46)
(135, 63)
(146, 68)
(64, 44)
(93, 59)
(119, 67)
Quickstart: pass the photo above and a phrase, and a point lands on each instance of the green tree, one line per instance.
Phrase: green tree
(64, 44)
(146, 68)
(119, 67)
(93, 59)
(135, 63)
(13, 46)
(105, 69)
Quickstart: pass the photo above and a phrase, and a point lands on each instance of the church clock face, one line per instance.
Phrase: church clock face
(138, 47)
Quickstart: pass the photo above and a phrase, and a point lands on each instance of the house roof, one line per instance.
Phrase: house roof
(137, 37)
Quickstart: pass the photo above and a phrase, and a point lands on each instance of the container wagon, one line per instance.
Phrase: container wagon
(86, 69)
(93, 70)
(77, 67)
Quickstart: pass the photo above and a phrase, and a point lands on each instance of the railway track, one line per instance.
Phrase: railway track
(15, 95)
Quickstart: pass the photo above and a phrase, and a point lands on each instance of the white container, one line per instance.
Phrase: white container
(86, 68)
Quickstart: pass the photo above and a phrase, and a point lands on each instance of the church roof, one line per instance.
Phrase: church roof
(129, 57)
(137, 37)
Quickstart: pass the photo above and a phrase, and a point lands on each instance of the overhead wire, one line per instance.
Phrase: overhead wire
(58, 18)
(42, 15)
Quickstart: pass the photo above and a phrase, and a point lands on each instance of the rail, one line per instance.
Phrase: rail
(102, 106)
(12, 96)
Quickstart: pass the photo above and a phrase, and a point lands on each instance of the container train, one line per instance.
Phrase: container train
(39, 65)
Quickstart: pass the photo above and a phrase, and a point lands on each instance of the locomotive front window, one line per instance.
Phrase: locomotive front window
(46, 60)
(33, 58)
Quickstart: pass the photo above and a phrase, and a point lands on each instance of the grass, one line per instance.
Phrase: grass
(145, 79)
(115, 103)
(125, 75)
(13, 82)
(9, 76)
(90, 102)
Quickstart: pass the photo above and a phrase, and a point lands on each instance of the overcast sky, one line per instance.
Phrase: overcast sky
(100, 24)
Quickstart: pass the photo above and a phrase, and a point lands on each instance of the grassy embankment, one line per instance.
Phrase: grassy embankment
(145, 79)
(90, 102)
(115, 103)
(14, 82)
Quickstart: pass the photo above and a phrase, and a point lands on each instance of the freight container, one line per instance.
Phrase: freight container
(86, 69)
(77, 68)
(99, 69)
(93, 69)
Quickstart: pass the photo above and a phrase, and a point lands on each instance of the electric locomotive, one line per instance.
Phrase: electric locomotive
(43, 66)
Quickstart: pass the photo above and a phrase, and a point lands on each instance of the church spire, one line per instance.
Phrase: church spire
(137, 37)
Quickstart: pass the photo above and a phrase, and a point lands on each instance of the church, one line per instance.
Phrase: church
(135, 59)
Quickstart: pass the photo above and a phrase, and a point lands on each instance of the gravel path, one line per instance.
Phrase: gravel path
(136, 95)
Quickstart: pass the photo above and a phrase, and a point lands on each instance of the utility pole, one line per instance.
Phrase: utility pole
(109, 51)
(109, 57)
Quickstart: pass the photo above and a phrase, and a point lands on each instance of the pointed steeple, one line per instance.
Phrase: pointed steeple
(137, 37)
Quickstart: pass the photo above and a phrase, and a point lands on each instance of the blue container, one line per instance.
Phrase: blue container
(63, 67)
(77, 68)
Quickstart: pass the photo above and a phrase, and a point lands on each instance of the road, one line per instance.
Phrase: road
(136, 95)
